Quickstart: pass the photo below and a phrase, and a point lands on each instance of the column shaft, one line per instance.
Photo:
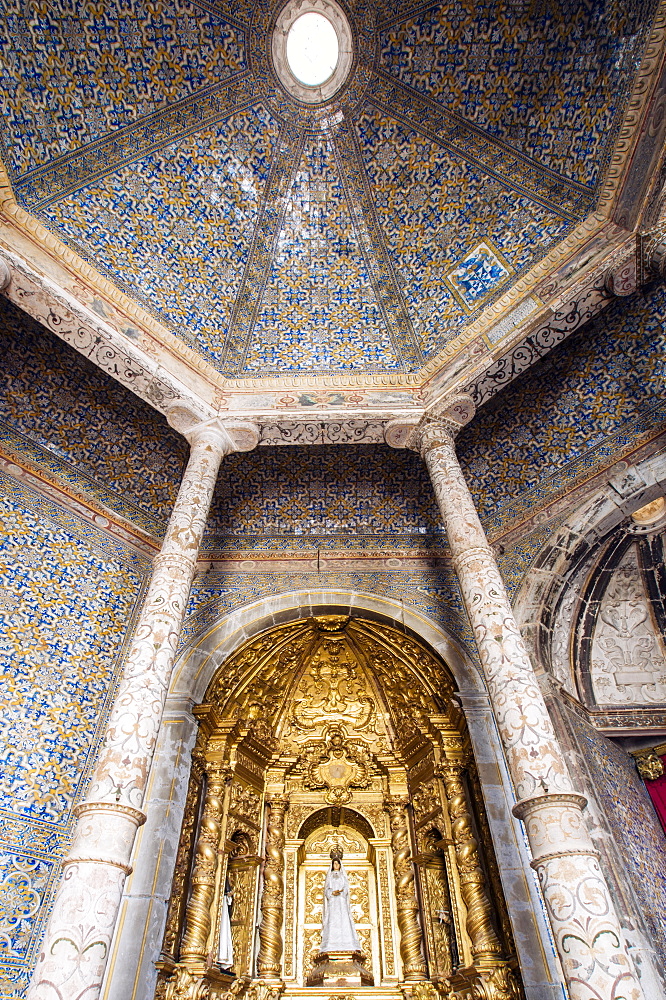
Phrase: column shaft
(198, 917)
(586, 927)
(411, 937)
(269, 960)
(485, 943)
(73, 957)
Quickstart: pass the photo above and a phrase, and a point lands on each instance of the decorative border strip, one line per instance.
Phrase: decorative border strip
(44, 185)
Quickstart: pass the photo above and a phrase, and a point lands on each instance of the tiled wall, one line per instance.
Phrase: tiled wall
(434, 593)
(345, 497)
(638, 840)
(593, 395)
(72, 419)
(67, 601)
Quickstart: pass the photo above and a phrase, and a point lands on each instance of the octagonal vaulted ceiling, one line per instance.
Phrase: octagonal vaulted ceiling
(153, 137)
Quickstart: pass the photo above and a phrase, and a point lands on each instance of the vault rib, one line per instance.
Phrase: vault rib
(356, 186)
(286, 158)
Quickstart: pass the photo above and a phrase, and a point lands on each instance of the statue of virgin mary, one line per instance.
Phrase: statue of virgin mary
(337, 927)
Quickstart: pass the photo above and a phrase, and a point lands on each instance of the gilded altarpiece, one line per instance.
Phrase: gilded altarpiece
(335, 736)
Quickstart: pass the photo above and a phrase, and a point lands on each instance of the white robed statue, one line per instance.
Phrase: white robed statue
(225, 955)
(337, 927)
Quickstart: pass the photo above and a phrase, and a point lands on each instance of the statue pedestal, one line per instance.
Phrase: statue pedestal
(340, 968)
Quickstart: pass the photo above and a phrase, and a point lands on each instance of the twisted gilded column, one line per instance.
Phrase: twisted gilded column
(198, 915)
(585, 925)
(73, 956)
(411, 936)
(269, 960)
(485, 943)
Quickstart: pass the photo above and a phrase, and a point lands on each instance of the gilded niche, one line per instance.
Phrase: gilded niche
(329, 734)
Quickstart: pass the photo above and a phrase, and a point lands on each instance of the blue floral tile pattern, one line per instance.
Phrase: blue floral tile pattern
(66, 416)
(592, 396)
(74, 73)
(548, 80)
(68, 598)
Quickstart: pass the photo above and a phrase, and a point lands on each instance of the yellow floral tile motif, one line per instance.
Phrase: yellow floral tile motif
(75, 73)
(68, 597)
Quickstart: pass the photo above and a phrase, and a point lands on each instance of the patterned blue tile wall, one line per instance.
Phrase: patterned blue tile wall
(520, 71)
(68, 597)
(592, 396)
(433, 593)
(634, 826)
(324, 495)
(71, 419)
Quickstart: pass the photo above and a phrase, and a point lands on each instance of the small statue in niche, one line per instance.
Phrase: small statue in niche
(337, 928)
(225, 956)
(340, 961)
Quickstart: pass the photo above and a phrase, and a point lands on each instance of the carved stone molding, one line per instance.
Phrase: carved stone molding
(652, 255)
(5, 275)
(557, 326)
(95, 339)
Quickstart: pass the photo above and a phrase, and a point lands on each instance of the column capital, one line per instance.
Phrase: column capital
(225, 434)
(438, 426)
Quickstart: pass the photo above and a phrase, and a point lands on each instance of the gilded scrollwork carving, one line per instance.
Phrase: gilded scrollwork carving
(314, 896)
(290, 915)
(186, 985)
(649, 766)
(176, 911)
(383, 888)
(498, 983)
(333, 687)
(333, 836)
(426, 802)
(411, 940)
(337, 764)
(261, 989)
(319, 766)
(296, 816)
(245, 802)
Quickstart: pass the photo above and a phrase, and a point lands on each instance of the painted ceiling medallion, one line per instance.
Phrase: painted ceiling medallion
(312, 49)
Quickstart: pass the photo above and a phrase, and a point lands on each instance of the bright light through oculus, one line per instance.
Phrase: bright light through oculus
(312, 49)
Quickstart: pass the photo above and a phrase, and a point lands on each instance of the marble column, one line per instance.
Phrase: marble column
(74, 953)
(585, 925)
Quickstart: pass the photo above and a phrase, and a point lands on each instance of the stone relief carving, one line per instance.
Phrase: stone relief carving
(627, 663)
(560, 655)
(351, 431)
(555, 328)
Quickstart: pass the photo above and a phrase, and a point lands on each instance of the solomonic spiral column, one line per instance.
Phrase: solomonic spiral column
(73, 957)
(198, 916)
(411, 936)
(269, 960)
(485, 943)
(586, 927)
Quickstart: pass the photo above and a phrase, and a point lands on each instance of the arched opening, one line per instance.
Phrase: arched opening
(336, 734)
